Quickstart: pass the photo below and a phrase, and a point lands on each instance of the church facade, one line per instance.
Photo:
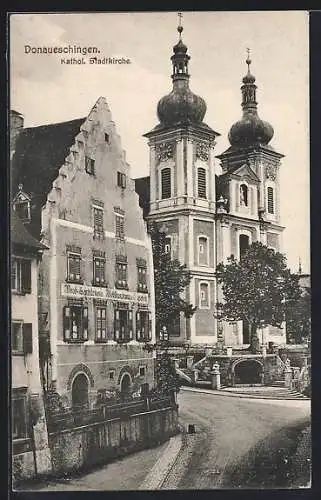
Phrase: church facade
(210, 206)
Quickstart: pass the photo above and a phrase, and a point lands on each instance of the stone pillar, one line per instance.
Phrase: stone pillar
(288, 377)
(189, 361)
(229, 351)
(40, 435)
(196, 372)
(216, 377)
(264, 351)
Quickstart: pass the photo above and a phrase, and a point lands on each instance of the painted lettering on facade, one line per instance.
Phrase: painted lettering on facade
(79, 291)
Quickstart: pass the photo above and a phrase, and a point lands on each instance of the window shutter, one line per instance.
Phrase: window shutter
(166, 183)
(149, 326)
(138, 326)
(201, 174)
(130, 324)
(26, 276)
(66, 322)
(85, 323)
(116, 324)
(27, 338)
(270, 200)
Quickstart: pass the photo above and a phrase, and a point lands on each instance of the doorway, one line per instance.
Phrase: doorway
(80, 392)
(248, 371)
(125, 386)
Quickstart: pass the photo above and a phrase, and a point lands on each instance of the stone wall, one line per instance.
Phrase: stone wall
(86, 446)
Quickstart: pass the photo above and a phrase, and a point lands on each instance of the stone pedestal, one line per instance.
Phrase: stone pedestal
(229, 351)
(264, 350)
(176, 362)
(216, 377)
(196, 372)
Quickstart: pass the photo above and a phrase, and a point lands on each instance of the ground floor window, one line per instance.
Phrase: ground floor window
(75, 323)
(143, 326)
(101, 330)
(19, 414)
(123, 325)
(175, 328)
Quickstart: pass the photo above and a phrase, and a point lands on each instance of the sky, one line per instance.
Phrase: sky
(46, 91)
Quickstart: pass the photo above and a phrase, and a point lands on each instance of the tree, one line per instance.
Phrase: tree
(170, 280)
(256, 289)
(298, 318)
(167, 379)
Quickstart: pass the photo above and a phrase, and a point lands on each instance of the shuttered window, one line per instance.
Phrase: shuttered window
(75, 323)
(98, 223)
(19, 415)
(201, 182)
(166, 183)
(142, 278)
(21, 275)
(121, 179)
(90, 165)
(99, 271)
(270, 200)
(121, 275)
(123, 325)
(74, 266)
(27, 338)
(120, 231)
(101, 330)
(143, 326)
(17, 336)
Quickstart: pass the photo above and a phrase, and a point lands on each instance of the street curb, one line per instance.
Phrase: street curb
(239, 395)
(164, 464)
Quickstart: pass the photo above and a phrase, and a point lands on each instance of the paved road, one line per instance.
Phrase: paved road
(227, 429)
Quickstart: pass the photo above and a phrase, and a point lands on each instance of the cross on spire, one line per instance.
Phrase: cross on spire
(248, 60)
(180, 27)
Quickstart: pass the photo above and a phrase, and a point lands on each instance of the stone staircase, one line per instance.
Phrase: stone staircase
(266, 392)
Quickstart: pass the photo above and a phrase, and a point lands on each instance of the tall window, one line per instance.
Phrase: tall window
(121, 272)
(204, 296)
(75, 323)
(244, 243)
(119, 222)
(21, 337)
(141, 275)
(166, 183)
(90, 165)
(101, 330)
(121, 179)
(99, 277)
(270, 200)
(201, 182)
(74, 267)
(123, 325)
(243, 195)
(143, 326)
(203, 251)
(98, 222)
(21, 275)
(19, 414)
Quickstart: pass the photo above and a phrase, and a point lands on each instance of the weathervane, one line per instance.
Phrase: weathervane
(248, 60)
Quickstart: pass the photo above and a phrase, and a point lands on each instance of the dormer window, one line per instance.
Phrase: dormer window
(243, 195)
(21, 205)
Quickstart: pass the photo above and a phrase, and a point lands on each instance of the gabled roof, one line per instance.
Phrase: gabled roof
(39, 153)
(243, 171)
(21, 237)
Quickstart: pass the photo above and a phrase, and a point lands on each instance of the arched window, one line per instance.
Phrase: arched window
(204, 301)
(203, 251)
(270, 200)
(166, 183)
(243, 195)
(244, 242)
(201, 182)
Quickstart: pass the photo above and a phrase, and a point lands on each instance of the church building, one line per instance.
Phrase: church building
(210, 206)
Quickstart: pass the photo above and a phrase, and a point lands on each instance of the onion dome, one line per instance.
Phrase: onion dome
(250, 130)
(181, 106)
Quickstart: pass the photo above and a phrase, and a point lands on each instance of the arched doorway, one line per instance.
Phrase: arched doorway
(248, 371)
(80, 391)
(125, 386)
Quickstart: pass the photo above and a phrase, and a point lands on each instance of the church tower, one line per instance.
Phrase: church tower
(183, 194)
(248, 197)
